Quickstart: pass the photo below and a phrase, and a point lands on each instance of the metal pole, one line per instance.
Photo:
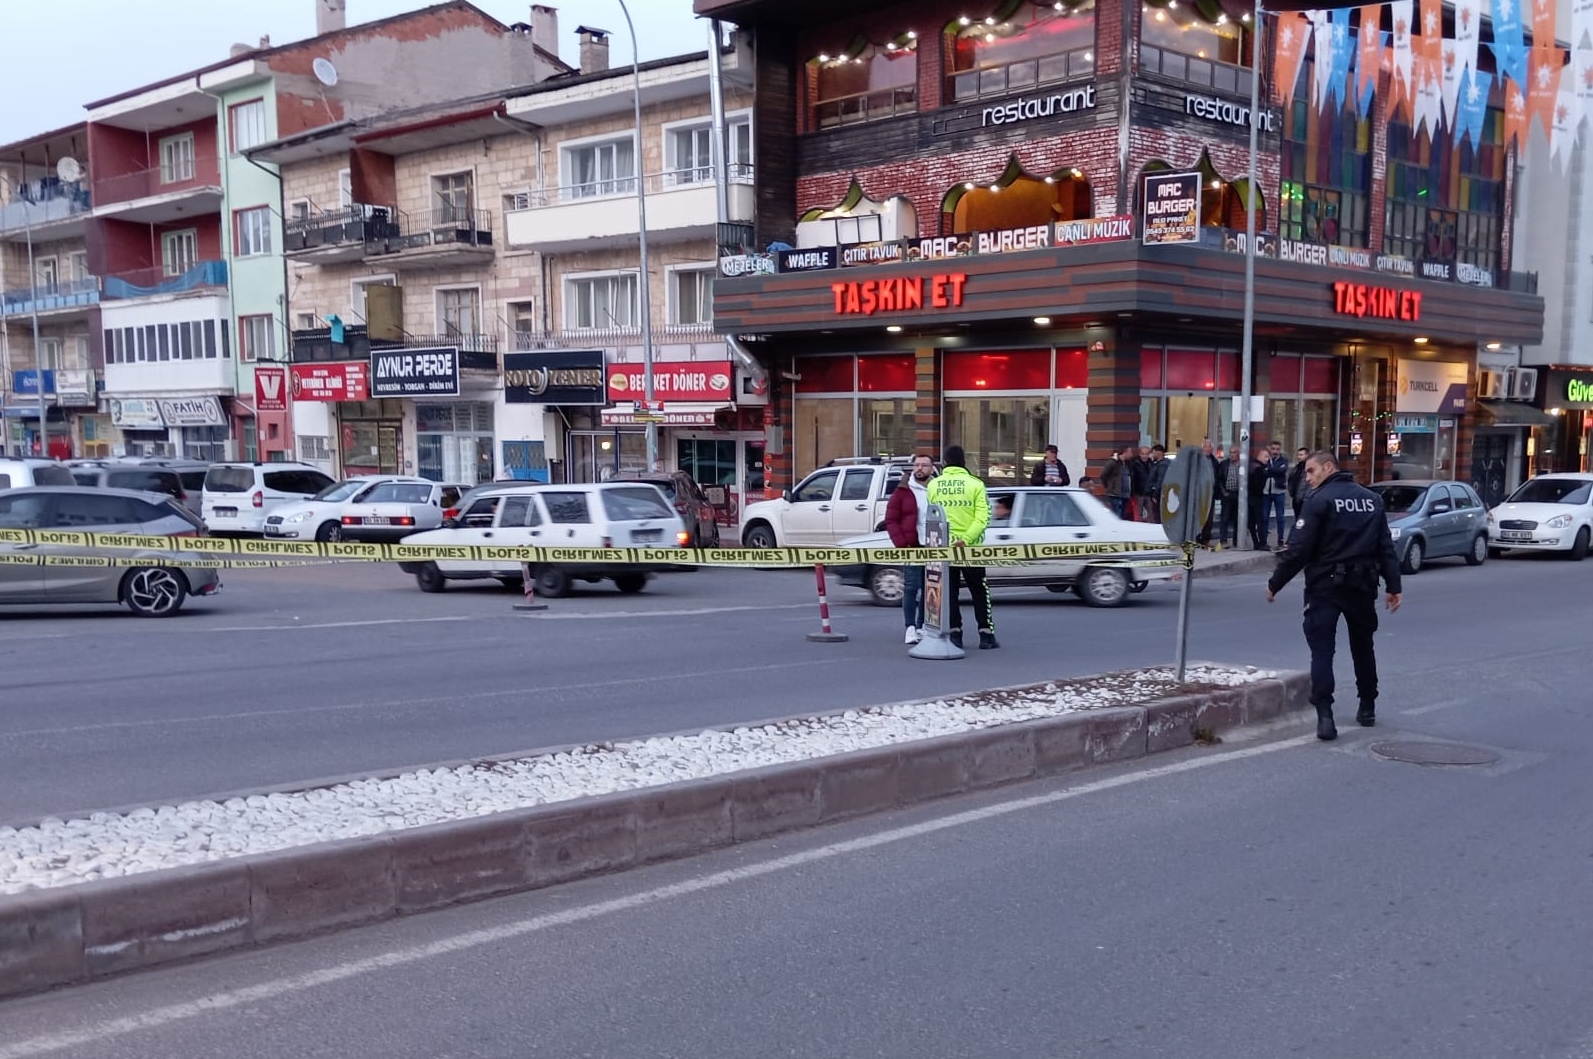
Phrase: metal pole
(38, 354)
(1247, 357)
(641, 216)
(1183, 611)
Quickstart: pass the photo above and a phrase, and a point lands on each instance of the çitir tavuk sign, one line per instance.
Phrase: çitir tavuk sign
(898, 293)
(1383, 303)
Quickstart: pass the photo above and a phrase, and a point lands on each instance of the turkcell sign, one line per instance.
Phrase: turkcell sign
(1223, 112)
(415, 372)
(1027, 108)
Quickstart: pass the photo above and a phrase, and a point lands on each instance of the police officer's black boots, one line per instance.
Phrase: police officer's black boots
(1366, 716)
(1325, 729)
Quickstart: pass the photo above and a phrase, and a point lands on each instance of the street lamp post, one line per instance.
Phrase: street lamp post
(33, 312)
(641, 216)
(1247, 356)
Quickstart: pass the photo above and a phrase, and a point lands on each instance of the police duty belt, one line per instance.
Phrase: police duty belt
(236, 553)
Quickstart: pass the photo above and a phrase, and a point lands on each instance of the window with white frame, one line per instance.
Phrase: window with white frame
(299, 210)
(459, 311)
(606, 168)
(177, 158)
(257, 338)
(248, 125)
(46, 274)
(79, 354)
(522, 323)
(77, 265)
(179, 251)
(452, 198)
(688, 151)
(253, 231)
(308, 321)
(50, 354)
(594, 302)
(691, 297)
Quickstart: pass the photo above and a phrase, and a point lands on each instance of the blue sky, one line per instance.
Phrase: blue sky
(61, 54)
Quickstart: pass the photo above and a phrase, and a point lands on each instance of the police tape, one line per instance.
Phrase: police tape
(186, 550)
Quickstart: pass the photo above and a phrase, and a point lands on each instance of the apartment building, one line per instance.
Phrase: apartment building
(182, 234)
(465, 281)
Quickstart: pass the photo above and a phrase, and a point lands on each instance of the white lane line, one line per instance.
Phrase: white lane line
(289, 984)
(339, 624)
(390, 704)
(567, 616)
(1432, 707)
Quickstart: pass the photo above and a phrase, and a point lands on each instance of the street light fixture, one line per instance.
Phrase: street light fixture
(641, 216)
(1248, 341)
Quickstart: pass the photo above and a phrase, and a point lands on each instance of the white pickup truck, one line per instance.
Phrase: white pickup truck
(844, 499)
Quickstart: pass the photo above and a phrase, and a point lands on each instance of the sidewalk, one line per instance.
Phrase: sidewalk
(1234, 561)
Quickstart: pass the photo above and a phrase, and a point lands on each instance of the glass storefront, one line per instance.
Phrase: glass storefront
(453, 442)
(729, 469)
(597, 455)
(1302, 404)
(853, 406)
(1186, 396)
(370, 440)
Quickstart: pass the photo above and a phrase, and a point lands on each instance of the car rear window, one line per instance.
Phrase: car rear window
(1398, 499)
(193, 481)
(307, 483)
(73, 510)
(398, 493)
(570, 508)
(628, 504)
(52, 475)
(229, 479)
(89, 478)
(151, 481)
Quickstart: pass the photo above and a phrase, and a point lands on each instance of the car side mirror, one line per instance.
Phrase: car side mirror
(450, 523)
(785, 494)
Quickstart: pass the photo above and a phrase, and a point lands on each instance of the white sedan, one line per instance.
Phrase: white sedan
(1045, 515)
(1549, 513)
(320, 517)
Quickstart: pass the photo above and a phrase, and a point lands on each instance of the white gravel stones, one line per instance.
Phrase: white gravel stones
(104, 845)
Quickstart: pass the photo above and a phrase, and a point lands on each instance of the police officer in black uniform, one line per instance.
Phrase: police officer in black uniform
(1341, 541)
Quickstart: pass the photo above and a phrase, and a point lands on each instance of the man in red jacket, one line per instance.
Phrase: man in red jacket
(904, 521)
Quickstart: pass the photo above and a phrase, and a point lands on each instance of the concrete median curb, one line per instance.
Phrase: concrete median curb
(75, 933)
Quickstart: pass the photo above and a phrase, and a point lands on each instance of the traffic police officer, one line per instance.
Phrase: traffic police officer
(967, 507)
(1341, 541)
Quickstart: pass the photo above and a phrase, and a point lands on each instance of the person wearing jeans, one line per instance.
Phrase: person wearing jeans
(1275, 492)
(905, 522)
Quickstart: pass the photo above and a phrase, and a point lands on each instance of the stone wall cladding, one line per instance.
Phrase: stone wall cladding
(72, 934)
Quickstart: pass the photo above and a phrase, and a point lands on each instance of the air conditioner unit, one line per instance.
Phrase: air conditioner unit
(1492, 385)
(1524, 387)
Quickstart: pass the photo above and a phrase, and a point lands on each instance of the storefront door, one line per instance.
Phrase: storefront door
(1490, 466)
(728, 467)
(597, 455)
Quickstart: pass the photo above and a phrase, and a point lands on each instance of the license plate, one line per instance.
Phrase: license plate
(226, 512)
(273, 531)
(1515, 535)
(651, 536)
(377, 520)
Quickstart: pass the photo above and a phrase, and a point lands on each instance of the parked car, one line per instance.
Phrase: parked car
(689, 501)
(391, 510)
(594, 515)
(1549, 513)
(156, 588)
(1434, 520)
(844, 499)
(23, 472)
(97, 474)
(326, 515)
(1043, 515)
(239, 497)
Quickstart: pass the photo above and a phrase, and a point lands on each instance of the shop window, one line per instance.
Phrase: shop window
(1191, 370)
(826, 375)
(1016, 200)
(1326, 165)
(824, 429)
(1020, 46)
(1072, 369)
(1320, 375)
(866, 83)
(1003, 436)
(1181, 41)
(889, 373)
(1152, 375)
(1014, 370)
(1445, 203)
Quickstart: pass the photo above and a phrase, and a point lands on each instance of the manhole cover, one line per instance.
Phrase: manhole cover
(1423, 753)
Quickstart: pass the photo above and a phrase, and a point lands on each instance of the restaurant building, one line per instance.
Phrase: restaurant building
(1003, 224)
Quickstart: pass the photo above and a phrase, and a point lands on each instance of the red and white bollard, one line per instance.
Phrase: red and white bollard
(530, 583)
(825, 633)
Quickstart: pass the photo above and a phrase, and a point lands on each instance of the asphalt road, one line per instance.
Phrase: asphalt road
(295, 675)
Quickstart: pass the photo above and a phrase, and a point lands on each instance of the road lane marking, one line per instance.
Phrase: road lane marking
(290, 984)
(567, 616)
(340, 624)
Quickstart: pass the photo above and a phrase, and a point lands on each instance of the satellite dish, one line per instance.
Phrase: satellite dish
(68, 169)
(325, 72)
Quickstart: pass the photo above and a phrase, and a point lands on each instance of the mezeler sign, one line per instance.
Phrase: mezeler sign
(1027, 108)
(554, 377)
(415, 372)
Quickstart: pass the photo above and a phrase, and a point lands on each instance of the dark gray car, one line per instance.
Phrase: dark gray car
(153, 588)
(1434, 520)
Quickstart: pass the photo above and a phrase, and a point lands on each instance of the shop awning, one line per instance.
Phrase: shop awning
(675, 414)
(1513, 414)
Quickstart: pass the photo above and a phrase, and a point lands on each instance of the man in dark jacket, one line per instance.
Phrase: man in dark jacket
(1255, 512)
(1051, 470)
(1117, 481)
(904, 521)
(1341, 541)
(1274, 492)
(1297, 484)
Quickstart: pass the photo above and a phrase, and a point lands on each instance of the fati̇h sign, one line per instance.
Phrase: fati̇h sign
(1431, 387)
(898, 294)
(1172, 208)
(572, 377)
(1027, 108)
(415, 372)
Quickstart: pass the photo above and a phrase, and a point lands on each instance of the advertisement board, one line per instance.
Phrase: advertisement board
(1431, 386)
(338, 381)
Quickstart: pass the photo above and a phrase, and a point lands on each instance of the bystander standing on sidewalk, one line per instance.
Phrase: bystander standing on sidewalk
(905, 522)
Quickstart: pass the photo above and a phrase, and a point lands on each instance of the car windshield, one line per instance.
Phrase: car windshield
(1552, 491)
(1401, 499)
(341, 490)
(635, 502)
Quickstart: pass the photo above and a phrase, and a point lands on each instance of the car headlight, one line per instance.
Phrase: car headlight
(301, 516)
(1395, 531)
(1560, 521)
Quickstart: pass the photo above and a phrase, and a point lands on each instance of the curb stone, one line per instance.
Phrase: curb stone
(70, 934)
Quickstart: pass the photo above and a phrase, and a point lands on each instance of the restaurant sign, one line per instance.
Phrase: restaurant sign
(898, 294)
(1383, 303)
(1172, 208)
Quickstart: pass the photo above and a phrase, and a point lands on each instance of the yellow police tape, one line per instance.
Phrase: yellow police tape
(233, 553)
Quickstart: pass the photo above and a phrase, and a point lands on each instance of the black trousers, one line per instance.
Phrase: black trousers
(974, 578)
(1323, 608)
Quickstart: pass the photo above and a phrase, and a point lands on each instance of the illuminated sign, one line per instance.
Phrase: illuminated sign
(1579, 391)
(1097, 230)
(898, 294)
(1226, 113)
(1383, 303)
(1027, 108)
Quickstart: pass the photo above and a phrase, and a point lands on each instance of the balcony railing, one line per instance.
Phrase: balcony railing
(44, 201)
(1223, 77)
(462, 225)
(51, 297)
(200, 172)
(866, 106)
(653, 183)
(576, 336)
(476, 352)
(315, 344)
(1075, 65)
(147, 282)
(355, 224)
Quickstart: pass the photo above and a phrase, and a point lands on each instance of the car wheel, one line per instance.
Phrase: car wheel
(886, 585)
(715, 543)
(1479, 551)
(552, 582)
(759, 535)
(1414, 554)
(1579, 547)
(1104, 586)
(1496, 553)
(1139, 586)
(430, 579)
(154, 591)
(630, 584)
(329, 532)
(511, 582)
